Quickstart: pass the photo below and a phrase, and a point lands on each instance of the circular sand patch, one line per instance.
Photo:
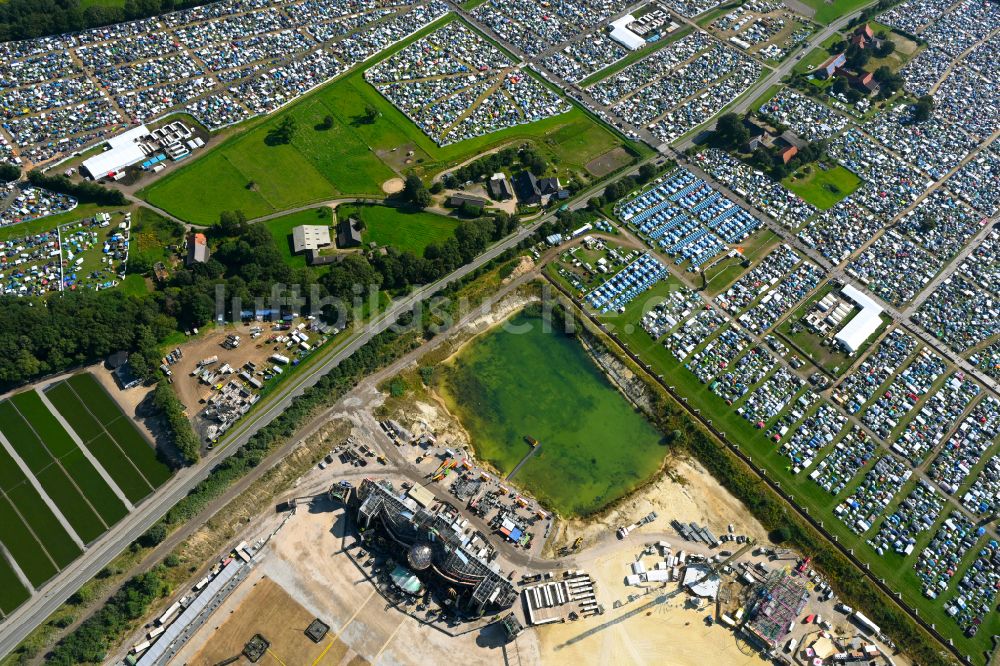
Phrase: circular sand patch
(393, 185)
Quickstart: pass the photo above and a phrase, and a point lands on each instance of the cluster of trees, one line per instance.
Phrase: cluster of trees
(181, 432)
(923, 108)
(85, 191)
(484, 167)
(25, 19)
(619, 188)
(80, 327)
(767, 160)
(415, 192)
(282, 133)
(90, 641)
(525, 157)
(731, 132)
(9, 172)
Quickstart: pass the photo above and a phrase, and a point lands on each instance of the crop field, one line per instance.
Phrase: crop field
(351, 157)
(523, 381)
(31, 533)
(109, 435)
(12, 592)
(403, 229)
(30, 447)
(898, 571)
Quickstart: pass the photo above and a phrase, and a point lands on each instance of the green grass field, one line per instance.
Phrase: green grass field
(828, 12)
(35, 539)
(352, 158)
(822, 187)
(109, 435)
(404, 229)
(120, 427)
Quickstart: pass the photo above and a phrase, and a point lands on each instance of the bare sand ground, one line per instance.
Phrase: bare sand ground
(669, 633)
(393, 186)
(269, 611)
(686, 491)
(314, 579)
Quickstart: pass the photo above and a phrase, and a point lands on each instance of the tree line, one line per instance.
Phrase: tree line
(83, 191)
(27, 19)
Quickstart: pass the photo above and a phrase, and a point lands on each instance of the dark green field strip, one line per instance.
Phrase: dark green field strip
(94, 487)
(43, 522)
(71, 503)
(120, 427)
(12, 592)
(10, 473)
(24, 548)
(138, 449)
(119, 468)
(56, 439)
(68, 405)
(108, 454)
(54, 481)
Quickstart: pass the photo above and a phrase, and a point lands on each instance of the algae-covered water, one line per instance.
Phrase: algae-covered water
(594, 446)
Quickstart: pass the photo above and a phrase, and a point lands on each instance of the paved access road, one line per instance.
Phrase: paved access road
(48, 598)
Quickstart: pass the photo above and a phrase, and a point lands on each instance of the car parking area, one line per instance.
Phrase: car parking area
(764, 28)
(687, 218)
(977, 591)
(938, 562)
(894, 268)
(810, 120)
(815, 433)
(678, 87)
(915, 515)
(581, 58)
(759, 279)
(857, 388)
(771, 397)
(964, 449)
(840, 231)
(223, 62)
(936, 418)
(533, 27)
(847, 457)
(776, 303)
(891, 408)
(627, 284)
(20, 202)
(766, 195)
(719, 354)
(978, 181)
(868, 501)
(455, 85)
(960, 313)
(693, 332)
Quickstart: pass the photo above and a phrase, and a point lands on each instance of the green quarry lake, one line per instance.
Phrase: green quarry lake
(594, 447)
